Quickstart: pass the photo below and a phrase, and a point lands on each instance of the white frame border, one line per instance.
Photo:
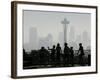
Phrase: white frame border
(35, 72)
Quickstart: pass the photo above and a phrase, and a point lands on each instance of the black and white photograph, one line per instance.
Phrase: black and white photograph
(56, 39)
(53, 39)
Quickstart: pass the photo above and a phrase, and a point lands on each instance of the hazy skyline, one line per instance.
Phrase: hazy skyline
(50, 23)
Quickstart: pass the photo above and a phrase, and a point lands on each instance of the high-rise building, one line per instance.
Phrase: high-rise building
(72, 34)
(61, 39)
(45, 41)
(33, 38)
(85, 39)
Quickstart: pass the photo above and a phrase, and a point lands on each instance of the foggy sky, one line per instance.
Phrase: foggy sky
(50, 23)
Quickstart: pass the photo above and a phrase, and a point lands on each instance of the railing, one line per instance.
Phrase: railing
(33, 60)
